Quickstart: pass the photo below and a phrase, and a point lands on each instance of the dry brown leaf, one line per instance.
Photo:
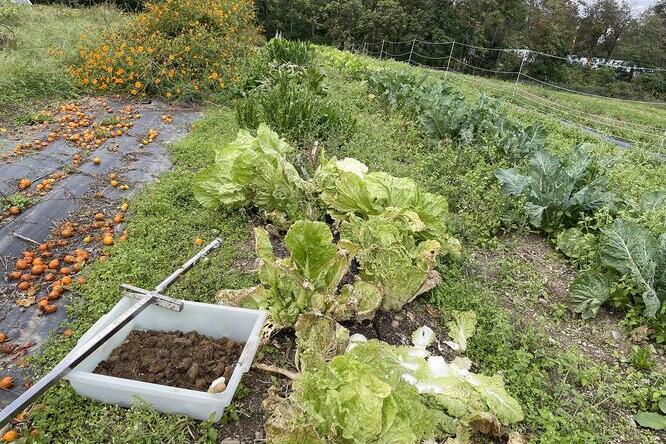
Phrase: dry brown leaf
(516, 438)
(26, 302)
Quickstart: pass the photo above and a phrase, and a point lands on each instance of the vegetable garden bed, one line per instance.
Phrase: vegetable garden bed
(345, 239)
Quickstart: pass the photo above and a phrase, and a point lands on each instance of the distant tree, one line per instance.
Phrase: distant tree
(645, 41)
(602, 25)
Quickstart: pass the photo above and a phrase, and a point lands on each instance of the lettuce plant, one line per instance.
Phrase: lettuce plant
(254, 171)
(558, 192)
(304, 282)
(379, 393)
(461, 328)
(390, 256)
(347, 189)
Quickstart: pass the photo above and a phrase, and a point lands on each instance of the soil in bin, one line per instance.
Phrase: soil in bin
(185, 360)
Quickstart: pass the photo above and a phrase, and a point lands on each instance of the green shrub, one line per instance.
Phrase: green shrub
(283, 51)
(175, 49)
(294, 103)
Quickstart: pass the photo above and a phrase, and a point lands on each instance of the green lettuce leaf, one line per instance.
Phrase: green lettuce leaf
(347, 189)
(253, 171)
(461, 328)
(389, 255)
(304, 282)
(313, 252)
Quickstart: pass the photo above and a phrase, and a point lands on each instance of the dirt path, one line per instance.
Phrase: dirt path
(540, 282)
(80, 189)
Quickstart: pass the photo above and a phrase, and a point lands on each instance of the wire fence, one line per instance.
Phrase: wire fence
(524, 90)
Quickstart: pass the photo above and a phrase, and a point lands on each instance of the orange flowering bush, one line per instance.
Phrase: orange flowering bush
(175, 49)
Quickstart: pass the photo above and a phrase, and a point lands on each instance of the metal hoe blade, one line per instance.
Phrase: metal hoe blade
(145, 299)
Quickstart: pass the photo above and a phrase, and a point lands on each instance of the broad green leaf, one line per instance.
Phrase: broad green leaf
(633, 251)
(461, 328)
(390, 191)
(589, 291)
(535, 214)
(491, 389)
(351, 195)
(433, 210)
(654, 201)
(662, 404)
(544, 165)
(512, 182)
(253, 171)
(212, 188)
(311, 247)
(651, 420)
(263, 245)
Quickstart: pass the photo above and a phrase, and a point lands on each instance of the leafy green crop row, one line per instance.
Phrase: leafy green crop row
(557, 194)
(386, 224)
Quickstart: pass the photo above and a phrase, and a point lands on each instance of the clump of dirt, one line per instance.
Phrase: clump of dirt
(185, 360)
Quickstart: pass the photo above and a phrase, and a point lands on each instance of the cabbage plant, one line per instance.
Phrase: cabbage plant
(558, 192)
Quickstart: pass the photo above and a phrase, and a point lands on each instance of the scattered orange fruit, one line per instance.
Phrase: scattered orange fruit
(10, 435)
(24, 183)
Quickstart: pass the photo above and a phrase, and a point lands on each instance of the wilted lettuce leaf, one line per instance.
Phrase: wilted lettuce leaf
(460, 392)
(389, 255)
(318, 339)
(461, 328)
(358, 301)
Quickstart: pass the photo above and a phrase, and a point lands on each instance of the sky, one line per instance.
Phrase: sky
(639, 6)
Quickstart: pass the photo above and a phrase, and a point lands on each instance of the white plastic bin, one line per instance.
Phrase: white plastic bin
(239, 324)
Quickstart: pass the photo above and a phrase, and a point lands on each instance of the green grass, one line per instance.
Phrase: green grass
(36, 45)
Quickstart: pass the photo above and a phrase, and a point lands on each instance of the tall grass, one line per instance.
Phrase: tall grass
(36, 45)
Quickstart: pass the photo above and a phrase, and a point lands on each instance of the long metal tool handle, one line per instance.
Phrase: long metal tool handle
(73, 359)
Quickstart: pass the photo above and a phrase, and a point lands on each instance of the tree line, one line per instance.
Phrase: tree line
(594, 29)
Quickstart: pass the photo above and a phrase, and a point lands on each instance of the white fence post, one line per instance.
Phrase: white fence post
(411, 51)
(448, 63)
(381, 50)
(520, 70)
(365, 48)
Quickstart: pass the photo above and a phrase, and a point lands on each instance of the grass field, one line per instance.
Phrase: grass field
(36, 46)
(576, 380)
